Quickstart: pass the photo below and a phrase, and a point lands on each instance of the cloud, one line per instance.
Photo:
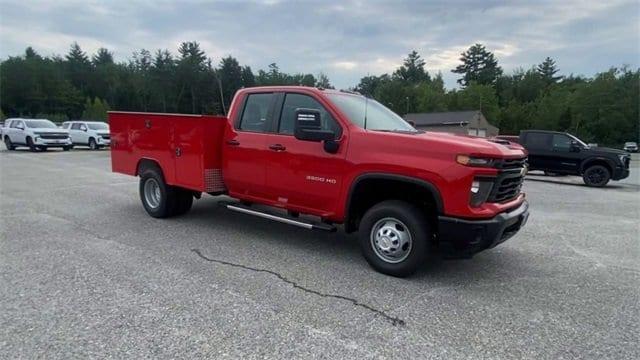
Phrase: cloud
(344, 39)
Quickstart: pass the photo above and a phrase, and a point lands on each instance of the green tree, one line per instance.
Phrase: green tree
(478, 65)
(95, 110)
(78, 67)
(322, 81)
(548, 70)
(478, 97)
(230, 76)
(412, 70)
(432, 96)
(248, 79)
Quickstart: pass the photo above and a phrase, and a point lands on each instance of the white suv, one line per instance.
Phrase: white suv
(36, 134)
(93, 134)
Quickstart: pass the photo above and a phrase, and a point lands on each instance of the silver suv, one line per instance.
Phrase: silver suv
(36, 134)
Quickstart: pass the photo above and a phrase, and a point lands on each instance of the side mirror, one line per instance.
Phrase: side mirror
(308, 127)
(574, 147)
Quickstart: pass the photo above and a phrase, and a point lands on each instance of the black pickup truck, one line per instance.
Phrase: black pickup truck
(563, 153)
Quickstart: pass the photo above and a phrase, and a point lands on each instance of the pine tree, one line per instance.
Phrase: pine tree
(102, 57)
(479, 66)
(412, 70)
(548, 70)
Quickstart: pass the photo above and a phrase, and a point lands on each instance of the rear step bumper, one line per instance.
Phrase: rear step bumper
(276, 217)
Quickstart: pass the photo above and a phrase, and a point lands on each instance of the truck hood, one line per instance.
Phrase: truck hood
(472, 145)
(606, 151)
(50, 130)
(442, 144)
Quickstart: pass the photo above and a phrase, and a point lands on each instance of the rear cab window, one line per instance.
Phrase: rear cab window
(256, 113)
(538, 140)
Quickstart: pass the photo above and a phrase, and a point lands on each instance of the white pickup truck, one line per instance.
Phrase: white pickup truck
(36, 134)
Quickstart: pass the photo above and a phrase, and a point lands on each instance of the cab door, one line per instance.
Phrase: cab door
(245, 148)
(302, 175)
(75, 133)
(567, 159)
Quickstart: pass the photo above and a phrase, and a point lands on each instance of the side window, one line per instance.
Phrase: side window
(75, 126)
(538, 140)
(256, 110)
(65, 125)
(16, 124)
(83, 127)
(561, 142)
(296, 101)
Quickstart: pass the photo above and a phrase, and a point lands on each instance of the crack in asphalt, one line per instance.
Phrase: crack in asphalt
(395, 321)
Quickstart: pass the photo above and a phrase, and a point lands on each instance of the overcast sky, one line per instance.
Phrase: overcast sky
(344, 39)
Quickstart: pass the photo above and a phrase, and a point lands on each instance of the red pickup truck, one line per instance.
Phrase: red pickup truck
(316, 158)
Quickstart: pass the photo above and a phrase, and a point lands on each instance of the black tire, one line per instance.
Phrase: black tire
(165, 206)
(184, 202)
(42, 148)
(31, 145)
(67, 148)
(596, 176)
(8, 143)
(93, 145)
(406, 219)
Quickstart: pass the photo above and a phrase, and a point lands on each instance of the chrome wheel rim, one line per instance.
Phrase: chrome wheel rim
(391, 240)
(152, 194)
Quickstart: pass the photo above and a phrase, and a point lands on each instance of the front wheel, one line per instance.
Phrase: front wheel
(596, 176)
(93, 145)
(395, 237)
(31, 145)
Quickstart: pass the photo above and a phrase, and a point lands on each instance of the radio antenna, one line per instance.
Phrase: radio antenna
(224, 110)
(366, 103)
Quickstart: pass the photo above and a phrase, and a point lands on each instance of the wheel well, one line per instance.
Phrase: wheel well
(370, 191)
(145, 164)
(602, 162)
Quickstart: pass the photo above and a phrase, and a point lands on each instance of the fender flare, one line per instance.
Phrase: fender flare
(587, 161)
(389, 176)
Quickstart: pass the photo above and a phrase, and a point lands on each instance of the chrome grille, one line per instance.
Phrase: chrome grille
(54, 136)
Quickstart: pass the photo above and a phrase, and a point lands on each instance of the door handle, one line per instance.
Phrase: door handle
(277, 147)
(178, 152)
(233, 142)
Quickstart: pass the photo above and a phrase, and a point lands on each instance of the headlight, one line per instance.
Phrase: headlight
(474, 161)
(623, 158)
(480, 190)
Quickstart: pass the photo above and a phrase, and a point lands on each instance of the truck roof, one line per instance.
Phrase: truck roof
(544, 131)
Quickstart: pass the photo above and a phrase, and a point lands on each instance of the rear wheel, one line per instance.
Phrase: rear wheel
(596, 176)
(93, 145)
(8, 143)
(161, 200)
(394, 237)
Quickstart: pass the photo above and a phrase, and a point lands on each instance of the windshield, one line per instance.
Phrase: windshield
(98, 126)
(40, 124)
(369, 114)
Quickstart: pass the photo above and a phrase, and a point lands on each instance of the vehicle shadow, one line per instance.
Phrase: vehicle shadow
(569, 182)
(344, 248)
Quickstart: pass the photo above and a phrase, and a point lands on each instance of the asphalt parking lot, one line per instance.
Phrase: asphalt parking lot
(85, 272)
